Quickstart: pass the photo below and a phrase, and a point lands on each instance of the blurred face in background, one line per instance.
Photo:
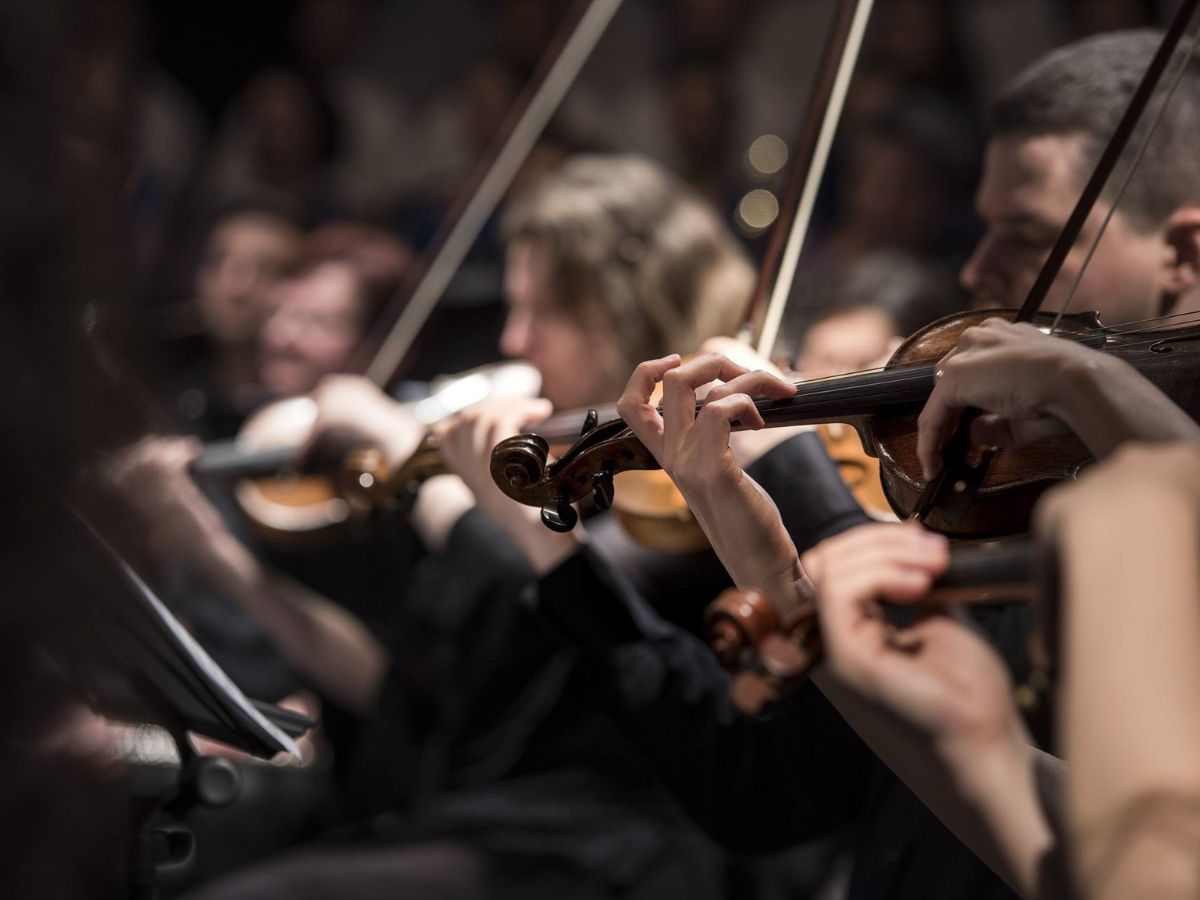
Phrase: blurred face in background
(540, 331)
(246, 254)
(317, 321)
(852, 341)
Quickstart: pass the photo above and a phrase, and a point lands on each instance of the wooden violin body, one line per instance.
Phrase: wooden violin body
(882, 407)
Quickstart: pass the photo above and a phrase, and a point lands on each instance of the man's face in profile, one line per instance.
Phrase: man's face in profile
(1028, 189)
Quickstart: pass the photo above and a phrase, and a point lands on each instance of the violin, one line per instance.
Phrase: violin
(297, 507)
(769, 654)
(651, 509)
(297, 502)
(992, 497)
(882, 407)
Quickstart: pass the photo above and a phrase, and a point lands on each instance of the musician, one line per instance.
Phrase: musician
(516, 784)
(767, 783)
(247, 251)
(867, 311)
(938, 701)
(1047, 130)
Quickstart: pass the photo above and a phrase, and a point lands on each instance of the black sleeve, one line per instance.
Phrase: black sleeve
(755, 784)
(806, 486)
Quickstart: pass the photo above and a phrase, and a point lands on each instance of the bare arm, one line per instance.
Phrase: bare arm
(932, 700)
(938, 713)
(328, 645)
(331, 648)
(1132, 650)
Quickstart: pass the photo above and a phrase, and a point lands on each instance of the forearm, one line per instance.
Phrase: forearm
(1132, 726)
(740, 531)
(326, 644)
(989, 799)
(1107, 403)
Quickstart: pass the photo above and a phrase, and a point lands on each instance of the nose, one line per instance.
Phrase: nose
(515, 338)
(970, 275)
(279, 331)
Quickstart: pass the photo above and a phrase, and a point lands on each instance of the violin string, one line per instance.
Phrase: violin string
(1127, 178)
(916, 372)
(1150, 323)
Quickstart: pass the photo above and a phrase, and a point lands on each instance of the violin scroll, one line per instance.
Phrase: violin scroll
(519, 465)
(521, 469)
(736, 623)
(767, 653)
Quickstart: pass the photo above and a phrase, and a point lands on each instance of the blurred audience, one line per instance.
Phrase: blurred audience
(247, 252)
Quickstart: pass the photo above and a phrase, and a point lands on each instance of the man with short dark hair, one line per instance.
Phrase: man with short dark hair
(1048, 128)
(761, 784)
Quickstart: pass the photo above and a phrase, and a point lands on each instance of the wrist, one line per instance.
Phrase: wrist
(1001, 784)
(233, 568)
(1080, 397)
(986, 770)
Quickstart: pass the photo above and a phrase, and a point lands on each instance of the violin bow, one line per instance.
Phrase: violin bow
(810, 154)
(413, 303)
(955, 487)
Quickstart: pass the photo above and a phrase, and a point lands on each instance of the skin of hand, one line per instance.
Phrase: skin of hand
(937, 674)
(693, 448)
(1031, 385)
(748, 446)
(152, 476)
(933, 699)
(466, 442)
(352, 410)
(1126, 535)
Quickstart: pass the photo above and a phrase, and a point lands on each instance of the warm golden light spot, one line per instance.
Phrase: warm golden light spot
(767, 154)
(758, 210)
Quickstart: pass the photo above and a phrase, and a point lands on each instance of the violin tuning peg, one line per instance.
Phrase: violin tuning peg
(590, 421)
(558, 515)
(603, 490)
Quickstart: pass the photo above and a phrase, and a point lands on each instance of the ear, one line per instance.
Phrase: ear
(1182, 235)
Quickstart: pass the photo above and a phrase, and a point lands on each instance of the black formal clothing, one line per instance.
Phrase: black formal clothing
(498, 748)
(759, 783)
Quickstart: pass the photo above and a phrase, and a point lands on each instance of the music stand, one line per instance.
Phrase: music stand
(139, 664)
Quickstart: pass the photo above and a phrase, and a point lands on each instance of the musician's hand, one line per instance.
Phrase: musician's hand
(467, 440)
(748, 446)
(353, 411)
(741, 522)
(937, 675)
(1016, 374)
(932, 699)
(180, 522)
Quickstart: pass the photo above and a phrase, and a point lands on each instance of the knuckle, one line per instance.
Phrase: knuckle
(952, 365)
(674, 379)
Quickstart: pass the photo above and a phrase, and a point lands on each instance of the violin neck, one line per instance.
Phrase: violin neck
(846, 398)
(988, 573)
(566, 427)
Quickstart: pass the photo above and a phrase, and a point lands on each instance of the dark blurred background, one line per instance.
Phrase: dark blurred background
(376, 112)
